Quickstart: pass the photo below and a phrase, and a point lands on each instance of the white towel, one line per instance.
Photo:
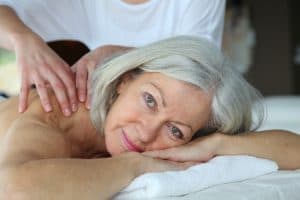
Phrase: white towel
(219, 170)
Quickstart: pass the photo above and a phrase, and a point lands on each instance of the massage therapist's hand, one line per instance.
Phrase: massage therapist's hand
(85, 66)
(201, 149)
(41, 66)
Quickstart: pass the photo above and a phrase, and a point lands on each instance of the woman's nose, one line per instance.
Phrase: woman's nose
(149, 129)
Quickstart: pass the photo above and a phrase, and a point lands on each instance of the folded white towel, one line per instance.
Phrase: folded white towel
(219, 170)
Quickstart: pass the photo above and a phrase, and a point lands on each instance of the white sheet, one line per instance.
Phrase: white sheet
(282, 112)
(281, 185)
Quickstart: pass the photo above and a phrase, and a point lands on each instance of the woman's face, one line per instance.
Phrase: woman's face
(154, 111)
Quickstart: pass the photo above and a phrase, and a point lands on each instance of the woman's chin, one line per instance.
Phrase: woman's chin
(114, 152)
(114, 148)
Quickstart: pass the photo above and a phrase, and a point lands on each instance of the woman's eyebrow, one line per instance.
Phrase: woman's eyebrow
(164, 105)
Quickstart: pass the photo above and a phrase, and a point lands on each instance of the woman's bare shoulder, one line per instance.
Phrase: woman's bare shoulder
(10, 106)
(9, 112)
(28, 136)
(42, 124)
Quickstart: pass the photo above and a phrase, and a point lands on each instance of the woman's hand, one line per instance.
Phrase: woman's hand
(201, 149)
(160, 165)
(146, 164)
(41, 66)
(86, 65)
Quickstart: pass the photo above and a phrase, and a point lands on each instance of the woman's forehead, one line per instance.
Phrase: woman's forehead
(168, 83)
(185, 101)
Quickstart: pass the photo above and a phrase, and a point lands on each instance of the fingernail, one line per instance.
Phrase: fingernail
(87, 105)
(21, 109)
(48, 108)
(82, 98)
(74, 107)
(67, 112)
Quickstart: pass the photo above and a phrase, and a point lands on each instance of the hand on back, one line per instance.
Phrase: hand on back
(41, 66)
(85, 66)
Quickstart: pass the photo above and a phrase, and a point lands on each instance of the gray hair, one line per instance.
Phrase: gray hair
(193, 60)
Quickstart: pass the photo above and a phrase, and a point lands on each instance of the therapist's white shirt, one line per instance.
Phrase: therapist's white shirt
(101, 22)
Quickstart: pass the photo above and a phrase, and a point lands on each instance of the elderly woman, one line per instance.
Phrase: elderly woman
(153, 98)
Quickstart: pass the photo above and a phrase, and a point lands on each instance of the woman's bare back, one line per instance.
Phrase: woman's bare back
(80, 136)
(9, 112)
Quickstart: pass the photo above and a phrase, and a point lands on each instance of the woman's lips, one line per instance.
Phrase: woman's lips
(129, 144)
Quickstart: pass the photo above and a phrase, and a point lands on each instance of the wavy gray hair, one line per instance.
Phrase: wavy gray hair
(193, 60)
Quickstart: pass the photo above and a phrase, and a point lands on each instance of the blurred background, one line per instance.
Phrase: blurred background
(262, 38)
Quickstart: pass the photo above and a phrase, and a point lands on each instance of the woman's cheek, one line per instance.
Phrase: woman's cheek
(113, 147)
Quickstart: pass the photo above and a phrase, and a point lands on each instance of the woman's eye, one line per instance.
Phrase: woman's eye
(176, 132)
(149, 99)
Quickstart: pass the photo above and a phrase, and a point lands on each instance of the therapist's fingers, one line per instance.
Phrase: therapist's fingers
(28, 77)
(59, 90)
(81, 79)
(23, 97)
(89, 88)
(42, 92)
(64, 75)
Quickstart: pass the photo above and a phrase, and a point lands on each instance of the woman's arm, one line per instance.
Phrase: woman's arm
(35, 164)
(281, 146)
(68, 178)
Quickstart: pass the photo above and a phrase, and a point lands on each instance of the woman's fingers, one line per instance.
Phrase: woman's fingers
(172, 154)
(194, 152)
(160, 165)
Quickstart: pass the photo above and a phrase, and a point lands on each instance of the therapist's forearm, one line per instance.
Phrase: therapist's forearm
(281, 146)
(69, 178)
(11, 28)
